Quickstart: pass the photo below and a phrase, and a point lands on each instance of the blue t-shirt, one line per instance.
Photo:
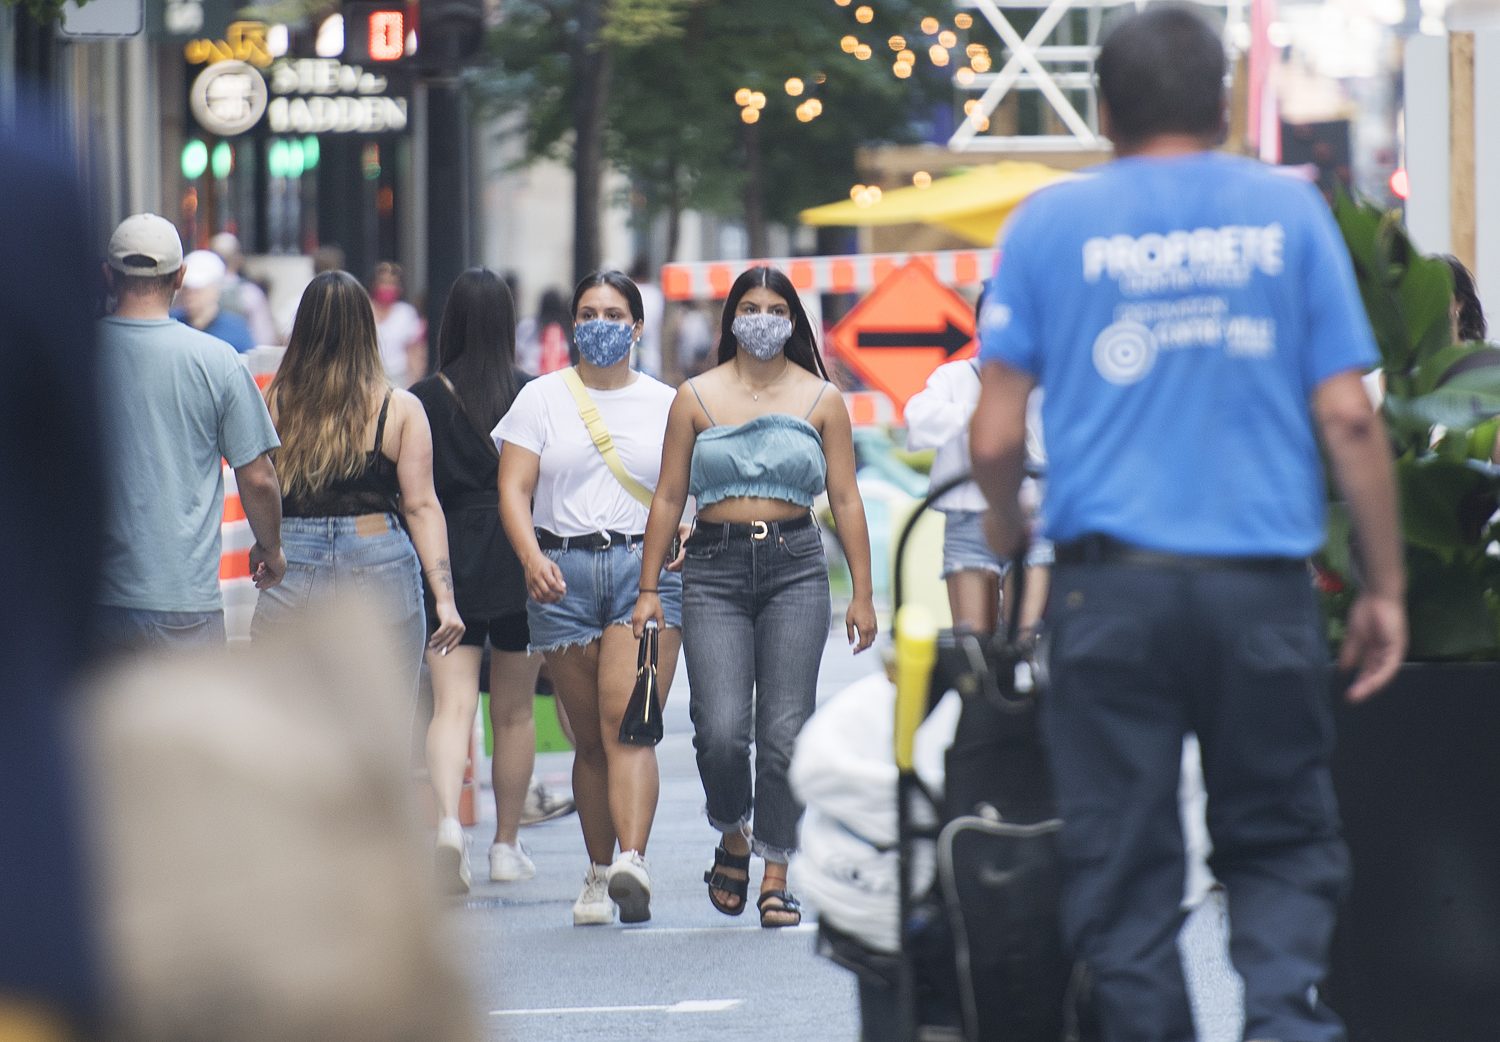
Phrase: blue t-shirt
(227, 326)
(1180, 313)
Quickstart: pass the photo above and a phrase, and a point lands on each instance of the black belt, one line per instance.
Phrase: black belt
(1103, 549)
(757, 530)
(592, 541)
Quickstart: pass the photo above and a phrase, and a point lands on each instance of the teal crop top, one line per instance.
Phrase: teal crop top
(775, 456)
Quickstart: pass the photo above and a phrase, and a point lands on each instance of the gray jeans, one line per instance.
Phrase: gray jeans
(754, 622)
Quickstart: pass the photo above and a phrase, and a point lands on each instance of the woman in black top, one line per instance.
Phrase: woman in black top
(474, 386)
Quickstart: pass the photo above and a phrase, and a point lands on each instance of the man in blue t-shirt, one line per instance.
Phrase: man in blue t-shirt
(1194, 320)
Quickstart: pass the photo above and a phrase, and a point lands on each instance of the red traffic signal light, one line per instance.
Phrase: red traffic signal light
(375, 33)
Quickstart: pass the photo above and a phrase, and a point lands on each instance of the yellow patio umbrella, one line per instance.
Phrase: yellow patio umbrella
(972, 204)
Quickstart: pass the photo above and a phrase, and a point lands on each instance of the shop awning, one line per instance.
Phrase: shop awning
(972, 204)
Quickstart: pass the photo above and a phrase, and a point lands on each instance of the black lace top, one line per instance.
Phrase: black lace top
(374, 490)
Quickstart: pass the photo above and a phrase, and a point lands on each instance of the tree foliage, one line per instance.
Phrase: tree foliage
(672, 122)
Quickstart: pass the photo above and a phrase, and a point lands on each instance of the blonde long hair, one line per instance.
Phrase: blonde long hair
(324, 389)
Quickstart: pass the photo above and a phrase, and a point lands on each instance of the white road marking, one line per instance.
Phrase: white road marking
(678, 930)
(685, 1006)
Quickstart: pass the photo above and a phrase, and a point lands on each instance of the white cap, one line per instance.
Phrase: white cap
(145, 244)
(203, 268)
(226, 245)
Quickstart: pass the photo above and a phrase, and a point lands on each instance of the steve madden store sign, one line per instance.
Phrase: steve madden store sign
(325, 96)
(306, 96)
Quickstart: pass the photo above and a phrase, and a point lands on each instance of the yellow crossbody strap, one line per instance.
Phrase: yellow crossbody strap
(589, 413)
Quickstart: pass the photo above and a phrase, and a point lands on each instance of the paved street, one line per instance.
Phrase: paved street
(690, 974)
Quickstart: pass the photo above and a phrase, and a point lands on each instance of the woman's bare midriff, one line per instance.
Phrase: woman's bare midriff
(741, 510)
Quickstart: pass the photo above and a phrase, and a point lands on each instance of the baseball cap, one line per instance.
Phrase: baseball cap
(202, 268)
(145, 244)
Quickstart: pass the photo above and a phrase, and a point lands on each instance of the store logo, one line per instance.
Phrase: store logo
(228, 98)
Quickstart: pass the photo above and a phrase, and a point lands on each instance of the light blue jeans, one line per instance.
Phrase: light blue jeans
(754, 621)
(326, 558)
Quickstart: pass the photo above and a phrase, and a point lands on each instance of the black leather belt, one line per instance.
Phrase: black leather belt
(757, 530)
(1103, 549)
(592, 541)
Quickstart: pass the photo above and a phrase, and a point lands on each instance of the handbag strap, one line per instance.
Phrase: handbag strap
(646, 652)
(589, 413)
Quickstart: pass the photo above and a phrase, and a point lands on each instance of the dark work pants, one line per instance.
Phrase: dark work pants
(1140, 655)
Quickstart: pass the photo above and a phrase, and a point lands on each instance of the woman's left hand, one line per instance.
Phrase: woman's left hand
(450, 629)
(859, 623)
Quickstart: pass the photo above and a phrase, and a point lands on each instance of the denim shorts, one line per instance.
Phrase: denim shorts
(964, 546)
(343, 557)
(602, 588)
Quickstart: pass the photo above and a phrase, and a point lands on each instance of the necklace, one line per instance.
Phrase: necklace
(751, 391)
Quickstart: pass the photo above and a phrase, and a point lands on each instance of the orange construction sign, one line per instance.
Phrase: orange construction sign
(908, 326)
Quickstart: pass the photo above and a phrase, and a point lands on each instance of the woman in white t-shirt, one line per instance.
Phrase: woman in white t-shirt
(578, 532)
(399, 329)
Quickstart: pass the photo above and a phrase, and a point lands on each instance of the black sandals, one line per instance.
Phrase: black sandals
(786, 905)
(719, 883)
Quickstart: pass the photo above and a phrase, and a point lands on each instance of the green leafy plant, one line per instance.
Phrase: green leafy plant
(1440, 405)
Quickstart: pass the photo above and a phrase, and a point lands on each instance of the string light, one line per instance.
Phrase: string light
(848, 44)
(981, 63)
(864, 51)
(938, 55)
(864, 14)
(964, 76)
(907, 57)
(757, 101)
(971, 106)
(742, 97)
(931, 25)
(922, 179)
(856, 191)
(843, 3)
(901, 70)
(795, 87)
(948, 38)
(896, 43)
(750, 115)
(963, 20)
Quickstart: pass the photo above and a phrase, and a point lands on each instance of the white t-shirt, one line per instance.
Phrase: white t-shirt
(402, 324)
(576, 493)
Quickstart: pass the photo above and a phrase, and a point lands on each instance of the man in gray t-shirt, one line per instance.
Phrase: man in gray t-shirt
(176, 402)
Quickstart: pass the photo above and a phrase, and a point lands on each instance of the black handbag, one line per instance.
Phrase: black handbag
(641, 724)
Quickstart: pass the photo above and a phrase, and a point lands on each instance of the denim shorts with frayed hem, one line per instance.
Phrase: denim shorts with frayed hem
(964, 547)
(602, 589)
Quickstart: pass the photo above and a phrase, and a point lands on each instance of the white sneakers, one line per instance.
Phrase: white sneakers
(630, 887)
(452, 857)
(594, 907)
(509, 863)
(542, 804)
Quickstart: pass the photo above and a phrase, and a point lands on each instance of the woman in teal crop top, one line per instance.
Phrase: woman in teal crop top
(756, 439)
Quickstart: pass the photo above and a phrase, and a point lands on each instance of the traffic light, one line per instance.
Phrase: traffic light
(375, 33)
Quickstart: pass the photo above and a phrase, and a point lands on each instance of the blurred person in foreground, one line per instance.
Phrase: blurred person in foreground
(203, 275)
(356, 468)
(1194, 320)
(178, 403)
(51, 527)
(265, 877)
(476, 382)
(239, 295)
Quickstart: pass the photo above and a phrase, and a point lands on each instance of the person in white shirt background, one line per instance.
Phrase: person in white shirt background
(399, 328)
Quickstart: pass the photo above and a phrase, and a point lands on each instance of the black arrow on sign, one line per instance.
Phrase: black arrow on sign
(952, 339)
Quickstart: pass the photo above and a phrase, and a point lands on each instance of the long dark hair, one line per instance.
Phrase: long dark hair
(477, 346)
(802, 348)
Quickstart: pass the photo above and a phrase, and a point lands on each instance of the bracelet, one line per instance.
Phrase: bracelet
(652, 590)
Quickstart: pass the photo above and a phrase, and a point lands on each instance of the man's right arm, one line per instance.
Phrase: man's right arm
(1360, 455)
(260, 495)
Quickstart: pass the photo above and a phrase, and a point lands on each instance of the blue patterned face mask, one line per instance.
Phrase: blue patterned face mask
(602, 342)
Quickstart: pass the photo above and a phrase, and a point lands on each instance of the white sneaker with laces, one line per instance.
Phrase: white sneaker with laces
(452, 857)
(509, 862)
(544, 805)
(593, 907)
(630, 886)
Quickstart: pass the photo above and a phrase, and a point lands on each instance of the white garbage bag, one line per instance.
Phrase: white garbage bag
(844, 770)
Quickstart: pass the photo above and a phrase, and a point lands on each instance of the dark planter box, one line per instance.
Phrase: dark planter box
(1417, 770)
